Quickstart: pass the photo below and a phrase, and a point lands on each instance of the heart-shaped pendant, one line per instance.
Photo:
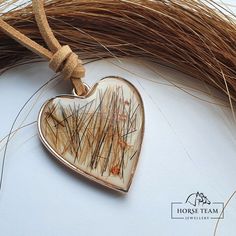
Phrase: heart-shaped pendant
(98, 135)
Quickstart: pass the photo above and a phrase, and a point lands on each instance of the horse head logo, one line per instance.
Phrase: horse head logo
(197, 199)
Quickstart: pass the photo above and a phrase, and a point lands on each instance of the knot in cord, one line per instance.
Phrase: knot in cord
(68, 63)
(61, 58)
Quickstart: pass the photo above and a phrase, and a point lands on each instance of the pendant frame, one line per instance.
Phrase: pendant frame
(79, 170)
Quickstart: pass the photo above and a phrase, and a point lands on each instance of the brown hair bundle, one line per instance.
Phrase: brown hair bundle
(195, 36)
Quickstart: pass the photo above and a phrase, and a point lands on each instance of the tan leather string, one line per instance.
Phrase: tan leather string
(61, 58)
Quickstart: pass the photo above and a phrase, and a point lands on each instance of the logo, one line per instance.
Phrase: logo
(197, 206)
(197, 199)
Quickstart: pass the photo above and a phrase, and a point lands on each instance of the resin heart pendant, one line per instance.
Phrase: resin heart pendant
(98, 135)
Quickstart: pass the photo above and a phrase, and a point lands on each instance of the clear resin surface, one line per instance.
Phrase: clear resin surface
(98, 135)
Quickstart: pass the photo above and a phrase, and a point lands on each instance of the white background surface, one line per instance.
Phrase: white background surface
(189, 145)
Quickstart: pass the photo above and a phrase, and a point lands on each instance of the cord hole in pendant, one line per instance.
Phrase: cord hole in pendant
(87, 88)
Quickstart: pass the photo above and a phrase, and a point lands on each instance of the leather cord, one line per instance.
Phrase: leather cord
(61, 58)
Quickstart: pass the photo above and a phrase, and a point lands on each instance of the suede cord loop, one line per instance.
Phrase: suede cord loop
(61, 58)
